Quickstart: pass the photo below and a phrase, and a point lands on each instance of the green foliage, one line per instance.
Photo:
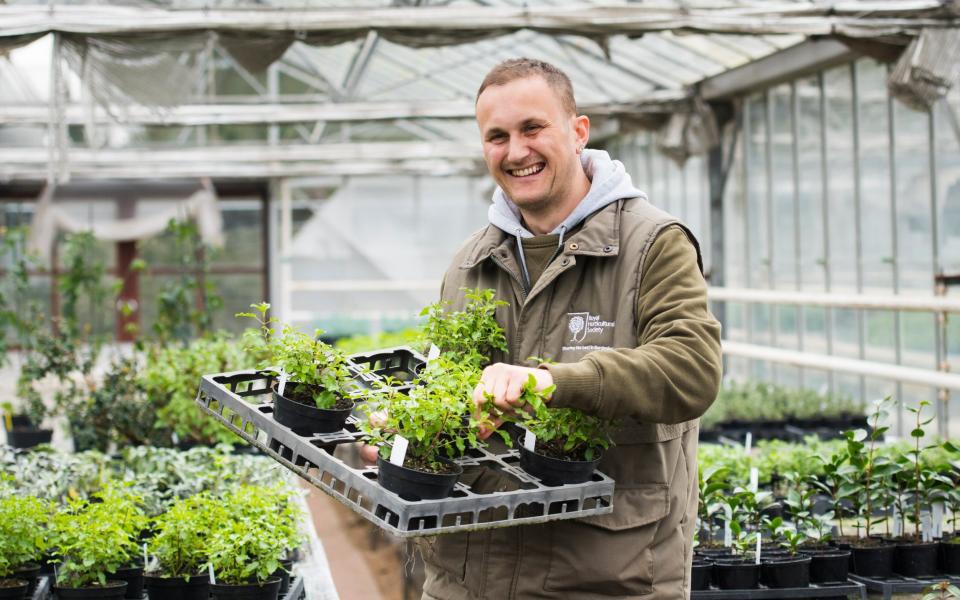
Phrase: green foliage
(872, 471)
(941, 591)
(19, 315)
(385, 339)
(789, 537)
(81, 286)
(470, 335)
(434, 416)
(182, 533)
(757, 400)
(23, 525)
(711, 482)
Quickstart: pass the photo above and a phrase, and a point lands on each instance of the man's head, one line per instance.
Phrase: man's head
(532, 136)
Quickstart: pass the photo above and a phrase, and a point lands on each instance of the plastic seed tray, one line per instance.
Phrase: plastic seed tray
(900, 585)
(242, 401)
(836, 590)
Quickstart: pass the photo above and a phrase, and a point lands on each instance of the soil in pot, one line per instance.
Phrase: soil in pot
(13, 589)
(268, 590)
(736, 573)
(786, 572)
(873, 559)
(297, 410)
(915, 559)
(553, 470)
(702, 574)
(950, 556)
(414, 482)
(133, 575)
(710, 552)
(829, 566)
(114, 590)
(197, 587)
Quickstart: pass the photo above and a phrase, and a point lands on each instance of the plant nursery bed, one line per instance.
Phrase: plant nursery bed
(838, 590)
(899, 584)
(242, 401)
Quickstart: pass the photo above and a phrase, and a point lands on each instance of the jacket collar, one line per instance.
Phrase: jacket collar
(599, 236)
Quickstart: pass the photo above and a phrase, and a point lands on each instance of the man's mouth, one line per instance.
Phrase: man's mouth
(527, 171)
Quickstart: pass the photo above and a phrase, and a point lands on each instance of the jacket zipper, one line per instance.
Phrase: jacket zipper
(523, 288)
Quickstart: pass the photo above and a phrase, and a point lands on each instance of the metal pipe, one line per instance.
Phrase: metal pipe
(834, 300)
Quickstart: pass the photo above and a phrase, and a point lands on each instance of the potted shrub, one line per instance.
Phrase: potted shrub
(125, 510)
(742, 513)
(710, 502)
(314, 398)
(431, 418)
(23, 542)
(913, 556)
(950, 491)
(179, 549)
(470, 336)
(791, 570)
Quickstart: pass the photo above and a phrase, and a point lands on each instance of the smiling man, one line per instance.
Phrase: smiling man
(609, 288)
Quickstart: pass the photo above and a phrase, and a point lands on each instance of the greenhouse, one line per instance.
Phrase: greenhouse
(274, 272)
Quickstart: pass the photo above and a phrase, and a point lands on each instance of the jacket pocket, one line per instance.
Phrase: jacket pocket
(609, 554)
(447, 552)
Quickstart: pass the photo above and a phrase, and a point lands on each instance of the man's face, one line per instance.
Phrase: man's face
(530, 142)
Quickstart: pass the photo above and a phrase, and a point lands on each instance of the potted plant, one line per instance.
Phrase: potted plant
(23, 542)
(125, 510)
(470, 336)
(315, 395)
(950, 491)
(179, 549)
(710, 502)
(791, 570)
(913, 556)
(433, 420)
(743, 517)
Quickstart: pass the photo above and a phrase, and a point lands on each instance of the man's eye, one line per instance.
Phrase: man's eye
(532, 128)
(497, 138)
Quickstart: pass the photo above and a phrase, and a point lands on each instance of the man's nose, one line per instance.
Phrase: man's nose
(517, 151)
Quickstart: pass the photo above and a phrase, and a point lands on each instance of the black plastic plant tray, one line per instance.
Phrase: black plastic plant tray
(834, 590)
(296, 590)
(242, 401)
(44, 588)
(899, 584)
(401, 363)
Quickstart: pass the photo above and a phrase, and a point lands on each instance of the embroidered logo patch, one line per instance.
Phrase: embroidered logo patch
(581, 324)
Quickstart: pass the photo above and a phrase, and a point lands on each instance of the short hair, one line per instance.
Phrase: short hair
(520, 68)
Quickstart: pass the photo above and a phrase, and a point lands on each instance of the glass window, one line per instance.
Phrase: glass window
(840, 157)
(810, 184)
(912, 170)
(947, 139)
(782, 179)
(755, 136)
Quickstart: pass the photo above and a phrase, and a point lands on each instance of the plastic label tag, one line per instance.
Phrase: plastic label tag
(758, 549)
(145, 561)
(727, 534)
(433, 354)
(174, 438)
(897, 523)
(937, 509)
(213, 579)
(399, 451)
(754, 479)
(282, 384)
(748, 442)
(529, 440)
(926, 527)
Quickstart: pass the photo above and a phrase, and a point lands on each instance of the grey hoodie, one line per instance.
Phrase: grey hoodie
(609, 182)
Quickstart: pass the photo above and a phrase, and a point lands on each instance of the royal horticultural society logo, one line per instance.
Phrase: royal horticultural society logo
(582, 323)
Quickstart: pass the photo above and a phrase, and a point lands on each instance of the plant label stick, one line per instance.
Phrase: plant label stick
(926, 527)
(727, 534)
(213, 579)
(529, 440)
(748, 442)
(399, 451)
(282, 383)
(145, 565)
(937, 509)
(758, 549)
(754, 478)
(897, 523)
(433, 354)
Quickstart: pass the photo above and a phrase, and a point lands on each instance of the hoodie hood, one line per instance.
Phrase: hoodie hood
(609, 183)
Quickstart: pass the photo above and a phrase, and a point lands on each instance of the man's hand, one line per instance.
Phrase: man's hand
(505, 383)
(369, 453)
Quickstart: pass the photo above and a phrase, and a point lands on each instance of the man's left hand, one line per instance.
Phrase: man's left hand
(505, 383)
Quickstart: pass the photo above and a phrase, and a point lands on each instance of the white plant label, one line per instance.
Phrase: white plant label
(145, 565)
(529, 440)
(897, 523)
(433, 354)
(399, 451)
(727, 534)
(174, 438)
(926, 527)
(282, 384)
(754, 479)
(213, 579)
(748, 442)
(937, 520)
(758, 549)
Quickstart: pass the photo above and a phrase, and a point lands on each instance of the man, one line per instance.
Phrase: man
(610, 288)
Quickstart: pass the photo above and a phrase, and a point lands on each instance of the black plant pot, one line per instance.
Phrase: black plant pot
(410, 484)
(197, 587)
(13, 592)
(713, 553)
(736, 574)
(114, 590)
(915, 560)
(28, 437)
(305, 419)
(29, 573)
(554, 471)
(268, 590)
(284, 574)
(874, 561)
(702, 574)
(788, 572)
(829, 567)
(950, 556)
(134, 578)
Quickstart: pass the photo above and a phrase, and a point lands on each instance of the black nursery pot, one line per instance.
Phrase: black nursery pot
(284, 574)
(133, 575)
(197, 587)
(411, 484)
(14, 592)
(28, 437)
(950, 556)
(736, 574)
(915, 560)
(114, 590)
(28, 573)
(554, 471)
(307, 419)
(713, 553)
(702, 574)
(874, 561)
(829, 567)
(788, 572)
(269, 590)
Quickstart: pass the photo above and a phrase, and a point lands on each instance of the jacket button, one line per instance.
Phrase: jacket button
(574, 246)
(608, 248)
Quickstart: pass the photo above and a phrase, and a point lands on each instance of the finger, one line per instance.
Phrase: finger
(514, 389)
(368, 454)
(500, 391)
(378, 418)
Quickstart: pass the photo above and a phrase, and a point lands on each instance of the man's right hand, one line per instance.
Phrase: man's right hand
(368, 454)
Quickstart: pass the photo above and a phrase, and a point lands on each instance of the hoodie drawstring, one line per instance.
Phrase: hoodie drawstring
(523, 261)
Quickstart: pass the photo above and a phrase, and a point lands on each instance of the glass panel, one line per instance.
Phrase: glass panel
(238, 293)
(880, 336)
(912, 169)
(735, 221)
(242, 233)
(846, 340)
(781, 149)
(948, 184)
(815, 330)
(757, 216)
(810, 184)
(918, 336)
(843, 249)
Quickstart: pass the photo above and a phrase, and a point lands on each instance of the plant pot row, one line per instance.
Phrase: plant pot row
(887, 558)
(779, 570)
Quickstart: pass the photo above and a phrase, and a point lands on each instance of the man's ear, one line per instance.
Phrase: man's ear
(581, 129)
